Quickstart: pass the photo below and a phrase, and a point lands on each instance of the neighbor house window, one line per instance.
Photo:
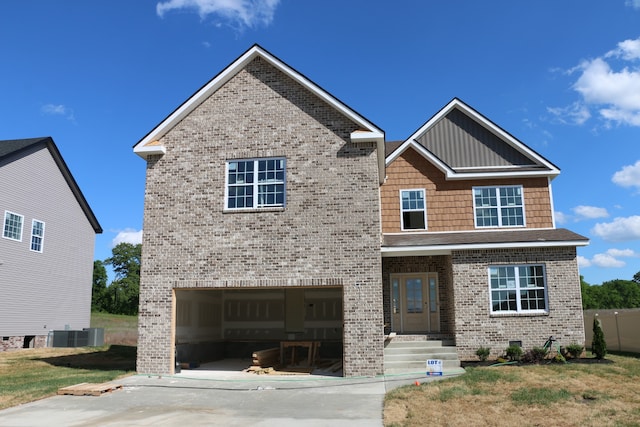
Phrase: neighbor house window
(12, 226)
(37, 235)
(520, 288)
(413, 209)
(258, 183)
(498, 206)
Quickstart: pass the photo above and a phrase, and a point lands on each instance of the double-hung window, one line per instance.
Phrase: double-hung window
(255, 184)
(12, 226)
(413, 209)
(518, 288)
(37, 235)
(499, 206)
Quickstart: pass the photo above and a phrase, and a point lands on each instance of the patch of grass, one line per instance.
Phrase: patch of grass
(543, 396)
(572, 394)
(118, 328)
(32, 374)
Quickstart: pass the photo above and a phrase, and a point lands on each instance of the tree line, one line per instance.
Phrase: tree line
(121, 296)
(611, 294)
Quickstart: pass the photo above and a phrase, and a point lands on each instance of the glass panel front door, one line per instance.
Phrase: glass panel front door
(415, 305)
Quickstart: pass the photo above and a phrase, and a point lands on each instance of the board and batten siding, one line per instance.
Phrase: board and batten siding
(49, 290)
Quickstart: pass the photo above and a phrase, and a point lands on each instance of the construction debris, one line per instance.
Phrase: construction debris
(89, 389)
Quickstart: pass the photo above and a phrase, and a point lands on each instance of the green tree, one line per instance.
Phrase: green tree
(598, 345)
(99, 298)
(124, 291)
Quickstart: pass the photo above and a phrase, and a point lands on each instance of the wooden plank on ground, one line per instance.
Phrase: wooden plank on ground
(89, 389)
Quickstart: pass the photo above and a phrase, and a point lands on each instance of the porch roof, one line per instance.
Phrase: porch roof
(414, 244)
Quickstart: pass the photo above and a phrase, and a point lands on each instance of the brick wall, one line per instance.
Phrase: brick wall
(15, 342)
(328, 234)
(476, 327)
(450, 203)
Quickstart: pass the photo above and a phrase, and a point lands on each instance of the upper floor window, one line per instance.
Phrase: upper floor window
(520, 288)
(12, 226)
(257, 183)
(413, 209)
(498, 206)
(37, 235)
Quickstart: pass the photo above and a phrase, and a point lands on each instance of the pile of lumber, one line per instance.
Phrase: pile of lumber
(89, 389)
(266, 358)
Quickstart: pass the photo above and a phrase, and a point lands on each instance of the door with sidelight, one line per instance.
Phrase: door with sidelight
(415, 305)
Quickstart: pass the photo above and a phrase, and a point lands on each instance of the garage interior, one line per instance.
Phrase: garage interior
(292, 328)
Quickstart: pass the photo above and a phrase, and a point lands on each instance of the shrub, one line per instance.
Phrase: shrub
(574, 350)
(514, 353)
(535, 355)
(598, 345)
(483, 353)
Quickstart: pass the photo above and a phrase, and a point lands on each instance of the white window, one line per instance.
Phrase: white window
(37, 235)
(498, 206)
(12, 226)
(519, 288)
(258, 183)
(413, 209)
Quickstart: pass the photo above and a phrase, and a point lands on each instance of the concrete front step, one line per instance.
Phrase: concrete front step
(411, 355)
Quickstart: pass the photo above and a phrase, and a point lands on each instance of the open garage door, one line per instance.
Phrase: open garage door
(295, 327)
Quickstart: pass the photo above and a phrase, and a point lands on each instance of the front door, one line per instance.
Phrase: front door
(415, 305)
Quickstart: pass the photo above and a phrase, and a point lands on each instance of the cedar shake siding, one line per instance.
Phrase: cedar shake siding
(450, 203)
(327, 235)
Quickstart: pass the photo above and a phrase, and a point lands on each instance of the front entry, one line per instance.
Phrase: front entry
(415, 304)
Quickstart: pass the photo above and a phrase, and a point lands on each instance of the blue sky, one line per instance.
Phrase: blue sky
(561, 76)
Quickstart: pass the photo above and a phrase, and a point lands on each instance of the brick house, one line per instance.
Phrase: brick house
(273, 216)
(46, 248)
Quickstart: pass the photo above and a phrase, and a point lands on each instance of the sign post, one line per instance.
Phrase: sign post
(434, 367)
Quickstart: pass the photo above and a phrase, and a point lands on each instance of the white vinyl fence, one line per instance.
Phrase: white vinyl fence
(621, 328)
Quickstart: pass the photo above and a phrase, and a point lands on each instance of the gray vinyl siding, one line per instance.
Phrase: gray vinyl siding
(49, 290)
(461, 142)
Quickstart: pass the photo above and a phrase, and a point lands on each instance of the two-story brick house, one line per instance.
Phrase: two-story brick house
(273, 215)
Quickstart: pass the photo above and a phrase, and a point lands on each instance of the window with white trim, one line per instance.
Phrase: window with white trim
(12, 226)
(37, 235)
(498, 206)
(257, 183)
(413, 209)
(518, 289)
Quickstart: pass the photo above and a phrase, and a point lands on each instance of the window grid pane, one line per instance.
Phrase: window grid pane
(517, 288)
(12, 226)
(255, 183)
(412, 206)
(37, 235)
(499, 206)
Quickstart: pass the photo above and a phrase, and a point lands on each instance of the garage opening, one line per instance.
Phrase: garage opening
(288, 329)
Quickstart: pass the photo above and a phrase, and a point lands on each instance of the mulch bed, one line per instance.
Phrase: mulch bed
(581, 360)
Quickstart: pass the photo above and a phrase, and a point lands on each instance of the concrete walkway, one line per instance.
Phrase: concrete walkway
(219, 398)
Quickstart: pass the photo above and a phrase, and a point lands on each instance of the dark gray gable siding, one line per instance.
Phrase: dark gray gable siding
(462, 142)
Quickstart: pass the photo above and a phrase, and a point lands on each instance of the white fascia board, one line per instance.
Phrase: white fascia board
(149, 150)
(231, 70)
(447, 249)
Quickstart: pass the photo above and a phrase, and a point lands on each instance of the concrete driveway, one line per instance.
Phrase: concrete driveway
(218, 399)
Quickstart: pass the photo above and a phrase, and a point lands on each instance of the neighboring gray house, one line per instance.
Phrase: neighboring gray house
(46, 247)
(273, 218)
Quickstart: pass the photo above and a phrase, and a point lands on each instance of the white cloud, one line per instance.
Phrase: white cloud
(128, 235)
(633, 3)
(609, 84)
(607, 261)
(574, 114)
(619, 230)
(628, 176)
(583, 262)
(58, 110)
(622, 253)
(590, 212)
(561, 217)
(238, 13)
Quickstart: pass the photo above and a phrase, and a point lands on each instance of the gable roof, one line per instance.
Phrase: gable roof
(464, 144)
(14, 147)
(368, 132)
